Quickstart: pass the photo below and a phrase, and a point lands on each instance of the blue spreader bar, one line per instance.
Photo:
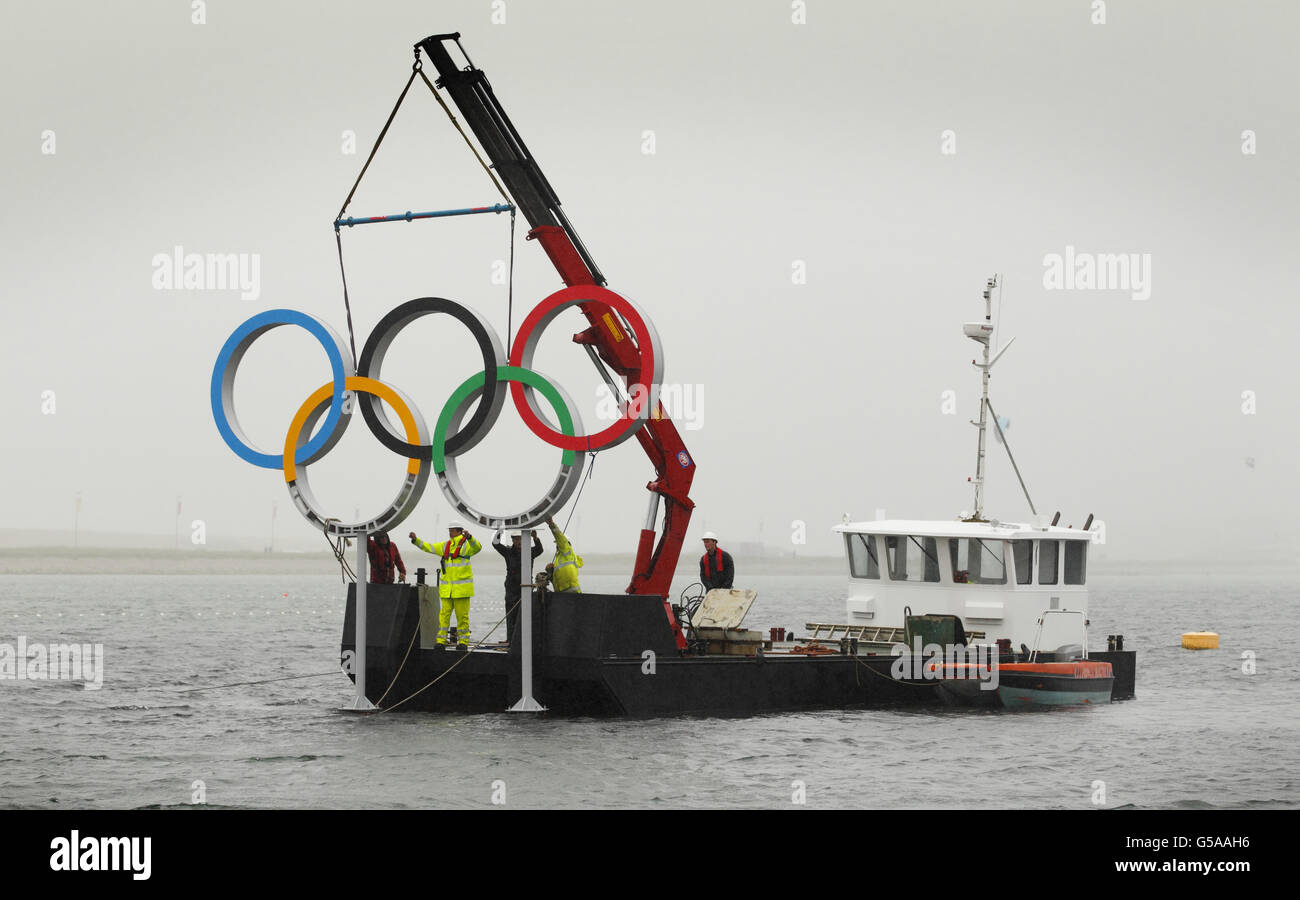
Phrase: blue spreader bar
(436, 214)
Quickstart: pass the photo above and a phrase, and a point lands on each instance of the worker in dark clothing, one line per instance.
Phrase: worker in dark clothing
(384, 559)
(514, 573)
(716, 567)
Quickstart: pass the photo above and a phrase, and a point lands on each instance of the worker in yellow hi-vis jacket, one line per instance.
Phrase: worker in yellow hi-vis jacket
(456, 581)
(564, 569)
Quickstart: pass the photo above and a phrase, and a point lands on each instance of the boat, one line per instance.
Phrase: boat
(1065, 677)
(1009, 579)
(1055, 684)
(988, 588)
(995, 576)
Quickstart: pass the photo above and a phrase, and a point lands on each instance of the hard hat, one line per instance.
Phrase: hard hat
(516, 534)
(456, 524)
(709, 536)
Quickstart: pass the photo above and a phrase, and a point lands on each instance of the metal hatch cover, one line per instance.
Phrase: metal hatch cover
(723, 608)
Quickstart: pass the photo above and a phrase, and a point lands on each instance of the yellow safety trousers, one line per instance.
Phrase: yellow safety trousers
(461, 607)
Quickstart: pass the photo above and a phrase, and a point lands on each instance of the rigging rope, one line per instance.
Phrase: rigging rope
(216, 687)
(339, 548)
(463, 656)
(347, 304)
(414, 634)
(510, 285)
(338, 237)
(468, 142)
(379, 140)
(591, 468)
(890, 678)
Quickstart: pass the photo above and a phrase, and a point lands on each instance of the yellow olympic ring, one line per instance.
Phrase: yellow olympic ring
(360, 384)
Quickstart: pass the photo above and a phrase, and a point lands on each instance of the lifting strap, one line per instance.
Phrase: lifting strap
(486, 168)
(379, 140)
(510, 289)
(338, 237)
(347, 304)
(417, 69)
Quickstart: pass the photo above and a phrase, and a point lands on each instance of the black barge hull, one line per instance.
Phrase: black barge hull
(614, 655)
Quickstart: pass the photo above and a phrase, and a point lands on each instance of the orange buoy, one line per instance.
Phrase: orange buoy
(1200, 640)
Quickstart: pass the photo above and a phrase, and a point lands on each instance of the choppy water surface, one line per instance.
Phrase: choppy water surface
(1201, 733)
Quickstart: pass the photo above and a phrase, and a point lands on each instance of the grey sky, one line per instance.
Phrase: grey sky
(774, 143)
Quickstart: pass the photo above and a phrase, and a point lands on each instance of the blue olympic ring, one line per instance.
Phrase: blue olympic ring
(223, 385)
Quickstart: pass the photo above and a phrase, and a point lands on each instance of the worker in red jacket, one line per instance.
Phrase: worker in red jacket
(384, 558)
(716, 567)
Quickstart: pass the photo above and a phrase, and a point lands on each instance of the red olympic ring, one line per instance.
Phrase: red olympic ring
(649, 374)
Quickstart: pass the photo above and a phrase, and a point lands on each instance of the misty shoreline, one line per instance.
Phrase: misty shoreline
(65, 560)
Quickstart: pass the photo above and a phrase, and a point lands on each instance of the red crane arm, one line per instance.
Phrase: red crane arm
(674, 468)
(536, 199)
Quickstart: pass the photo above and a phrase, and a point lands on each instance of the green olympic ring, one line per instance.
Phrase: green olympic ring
(449, 420)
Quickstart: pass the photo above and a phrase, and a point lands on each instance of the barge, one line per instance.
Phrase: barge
(985, 590)
(615, 655)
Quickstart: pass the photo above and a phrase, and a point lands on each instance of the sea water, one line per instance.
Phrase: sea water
(1208, 729)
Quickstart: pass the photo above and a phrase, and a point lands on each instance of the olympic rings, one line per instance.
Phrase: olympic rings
(437, 452)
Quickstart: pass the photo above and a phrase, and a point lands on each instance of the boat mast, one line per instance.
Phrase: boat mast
(982, 332)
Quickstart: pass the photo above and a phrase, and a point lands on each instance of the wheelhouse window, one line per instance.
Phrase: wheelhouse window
(1047, 560)
(863, 562)
(977, 561)
(1076, 561)
(1023, 552)
(912, 558)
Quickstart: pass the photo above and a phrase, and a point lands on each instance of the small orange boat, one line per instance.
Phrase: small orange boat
(1018, 685)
